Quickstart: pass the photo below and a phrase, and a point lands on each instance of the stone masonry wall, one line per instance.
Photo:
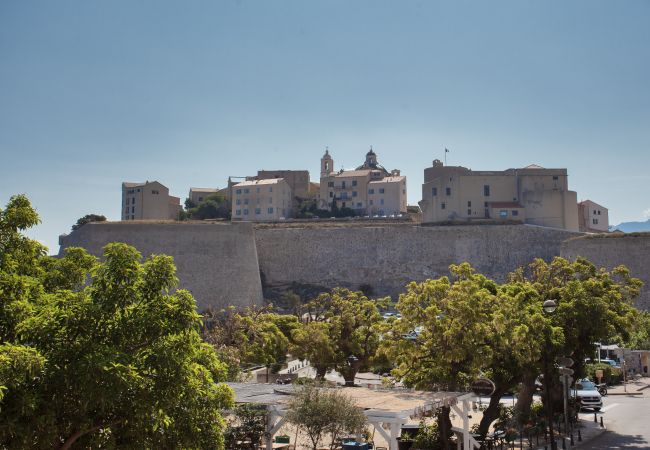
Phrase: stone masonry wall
(632, 250)
(388, 257)
(217, 262)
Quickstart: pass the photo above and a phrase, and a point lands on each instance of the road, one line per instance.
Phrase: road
(627, 419)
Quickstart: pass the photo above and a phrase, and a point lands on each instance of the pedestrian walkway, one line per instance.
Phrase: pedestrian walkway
(635, 386)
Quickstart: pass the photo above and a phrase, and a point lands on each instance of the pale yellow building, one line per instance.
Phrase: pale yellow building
(261, 200)
(532, 195)
(197, 195)
(370, 189)
(149, 201)
(593, 218)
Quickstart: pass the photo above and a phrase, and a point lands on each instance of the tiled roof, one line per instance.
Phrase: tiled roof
(259, 182)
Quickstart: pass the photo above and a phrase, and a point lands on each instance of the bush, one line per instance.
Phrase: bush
(611, 375)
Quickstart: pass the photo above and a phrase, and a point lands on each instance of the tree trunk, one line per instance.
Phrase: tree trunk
(444, 425)
(320, 373)
(525, 397)
(491, 413)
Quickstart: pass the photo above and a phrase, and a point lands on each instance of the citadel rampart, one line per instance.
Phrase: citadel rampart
(611, 250)
(217, 262)
(387, 257)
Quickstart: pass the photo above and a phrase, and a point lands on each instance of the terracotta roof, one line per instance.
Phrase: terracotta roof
(533, 166)
(258, 182)
(389, 180)
(196, 189)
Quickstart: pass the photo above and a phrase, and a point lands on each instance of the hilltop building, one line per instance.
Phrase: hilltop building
(592, 217)
(149, 201)
(532, 195)
(370, 189)
(197, 195)
(261, 200)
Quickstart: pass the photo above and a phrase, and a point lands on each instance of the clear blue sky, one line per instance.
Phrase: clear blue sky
(96, 93)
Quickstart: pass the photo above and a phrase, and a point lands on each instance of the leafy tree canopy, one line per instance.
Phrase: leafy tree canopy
(320, 412)
(339, 325)
(87, 219)
(214, 206)
(100, 354)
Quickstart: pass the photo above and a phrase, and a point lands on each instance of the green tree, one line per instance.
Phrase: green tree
(87, 219)
(593, 305)
(100, 354)
(254, 336)
(340, 324)
(247, 427)
(215, 206)
(320, 412)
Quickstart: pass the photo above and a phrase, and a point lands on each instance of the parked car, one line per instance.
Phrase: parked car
(586, 393)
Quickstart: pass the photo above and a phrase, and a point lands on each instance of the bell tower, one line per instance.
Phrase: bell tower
(326, 164)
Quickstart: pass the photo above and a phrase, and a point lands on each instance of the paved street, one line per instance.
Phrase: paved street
(627, 419)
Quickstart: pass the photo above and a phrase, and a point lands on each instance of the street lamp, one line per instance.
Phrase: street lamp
(549, 307)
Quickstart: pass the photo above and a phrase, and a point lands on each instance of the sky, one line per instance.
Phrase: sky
(188, 93)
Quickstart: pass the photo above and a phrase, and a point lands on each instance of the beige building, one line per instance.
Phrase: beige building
(260, 200)
(593, 218)
(149, 201)
(532, 195)
(197, 195)
(298, 180)
(369, 189)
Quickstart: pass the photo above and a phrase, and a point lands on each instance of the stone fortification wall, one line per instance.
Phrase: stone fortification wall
(386, 258)
(217, 262)
(632, 250)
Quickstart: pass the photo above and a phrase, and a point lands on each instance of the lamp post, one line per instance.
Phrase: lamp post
(549, 308)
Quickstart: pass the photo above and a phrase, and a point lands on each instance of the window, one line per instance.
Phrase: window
(271, 189)
(132, 209)
(343, 205)
(469, 204)
(358, 204)
(448, 191)
(270, 210)
(503, 213)
(200, 199)
(245, 212)
(354, 182)
(245, 201)
(371, 202)
(599, 212)
(133, 217)
(515, 212)
(487, 212)
(381, 190)
(354, 193)
(594, 212)
(239, 201)
(469, 212)
(330, 184)
(595, 221)
(555, 177)
(257, 190)
(434, 191)
(131, 191)
(442, 205)
(344, 195)
(238, 212)
(343, 184)
(485, 204)
(486, 190)
(270, 199)
(381, 201)
(258, 210)
(155, 192)
(238, 191)
(331, 194)
(246, 191)
(371, 191)
(133, 201)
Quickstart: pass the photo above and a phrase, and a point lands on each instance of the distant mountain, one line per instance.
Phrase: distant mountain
(631, 227)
